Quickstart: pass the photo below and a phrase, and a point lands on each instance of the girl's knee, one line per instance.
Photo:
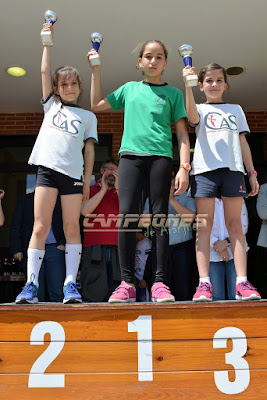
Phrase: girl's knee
(234, 227)
(40, 230)
(71, 230)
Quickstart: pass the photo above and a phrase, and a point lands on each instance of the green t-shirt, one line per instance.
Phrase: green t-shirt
(148, 112)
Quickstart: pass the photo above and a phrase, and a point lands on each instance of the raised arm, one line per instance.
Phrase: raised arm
(98, 102)
(47, 86)
(190, 103)
(90, 205)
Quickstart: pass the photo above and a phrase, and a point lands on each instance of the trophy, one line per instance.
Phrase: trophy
(185, 52)
(46, 36)
(96, 39)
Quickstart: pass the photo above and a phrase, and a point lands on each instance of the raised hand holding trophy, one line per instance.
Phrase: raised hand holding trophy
(46, 36)
(185, 52)
(96, 39)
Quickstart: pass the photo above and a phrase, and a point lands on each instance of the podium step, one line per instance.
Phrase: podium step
(123, 352)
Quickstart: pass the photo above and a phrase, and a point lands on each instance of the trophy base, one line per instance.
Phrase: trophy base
(191, 80)
(47, 38)
(95, 60)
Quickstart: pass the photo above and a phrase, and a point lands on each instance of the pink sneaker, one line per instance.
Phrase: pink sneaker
(160, 293)
(204, 292)
(245, 291)
(123, 294)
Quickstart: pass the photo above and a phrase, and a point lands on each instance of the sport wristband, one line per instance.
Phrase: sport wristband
(252, 173)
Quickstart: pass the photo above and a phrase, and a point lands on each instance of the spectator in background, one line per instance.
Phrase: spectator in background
(2, 217)
(222, 267)
(100, 272)
(53, 270)
(181, 262)
(262, 213)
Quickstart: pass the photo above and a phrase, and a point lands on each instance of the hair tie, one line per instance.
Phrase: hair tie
(203, 70)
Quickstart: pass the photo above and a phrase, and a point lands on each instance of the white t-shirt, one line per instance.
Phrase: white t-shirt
(217, 142)
(61, 138)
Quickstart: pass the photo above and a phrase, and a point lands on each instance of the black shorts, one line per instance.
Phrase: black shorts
(64, 183)
(217, 183)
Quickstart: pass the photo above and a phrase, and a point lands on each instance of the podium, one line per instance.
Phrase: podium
(175, 351)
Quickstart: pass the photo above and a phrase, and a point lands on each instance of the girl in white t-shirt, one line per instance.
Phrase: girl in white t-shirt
(217, 170)
(57, 152)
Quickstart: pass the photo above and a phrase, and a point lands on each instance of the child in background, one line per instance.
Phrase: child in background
(57, 152)
(181, 268)
(143, 249)
(146, 157)
(218, 171)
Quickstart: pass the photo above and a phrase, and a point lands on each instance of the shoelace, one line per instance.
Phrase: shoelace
(72, 287)
(204, 286)
(29, 287)
(247, 285)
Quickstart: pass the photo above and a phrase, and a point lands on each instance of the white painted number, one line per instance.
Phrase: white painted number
(37, 378)
(242, 375)
(143, 326)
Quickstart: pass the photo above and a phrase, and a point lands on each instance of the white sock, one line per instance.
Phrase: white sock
(35, 259)
(73, 254)
(240, 279)
(207, 280)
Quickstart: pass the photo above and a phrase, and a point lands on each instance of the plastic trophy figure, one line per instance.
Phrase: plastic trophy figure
(96, 39)
(185, 52)
(50, 18)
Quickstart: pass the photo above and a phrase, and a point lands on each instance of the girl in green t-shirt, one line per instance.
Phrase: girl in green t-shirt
(146, 155)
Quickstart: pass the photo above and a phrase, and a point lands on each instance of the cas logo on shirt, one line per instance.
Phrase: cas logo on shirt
(60, 120)
(217, 121)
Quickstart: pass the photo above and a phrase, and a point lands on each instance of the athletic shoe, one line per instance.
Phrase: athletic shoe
(245, 291)
(123, 294)
(204, 292)
(160, 293)
(71, 294)
(28, 294)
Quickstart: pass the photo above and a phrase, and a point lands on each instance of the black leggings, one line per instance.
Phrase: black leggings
(136, 173)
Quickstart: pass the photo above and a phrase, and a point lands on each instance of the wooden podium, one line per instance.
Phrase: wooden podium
(147, 351)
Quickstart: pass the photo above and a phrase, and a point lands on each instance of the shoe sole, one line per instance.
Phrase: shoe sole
(252, 297)
(202, 299)
(122, 301)
(155, 300)
(72, 300)
(25, 301)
